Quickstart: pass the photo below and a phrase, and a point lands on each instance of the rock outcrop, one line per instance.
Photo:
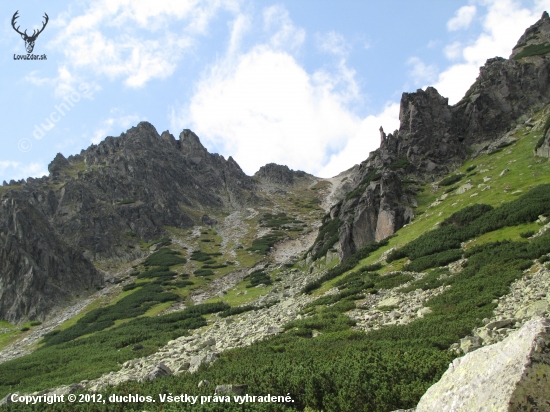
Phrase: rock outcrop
(435, 138)
(374, 215)
(280, 175)
(425, 137)
(513, 375)
(39, 270)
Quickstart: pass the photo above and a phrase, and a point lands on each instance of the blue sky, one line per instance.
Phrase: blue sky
(306, 83)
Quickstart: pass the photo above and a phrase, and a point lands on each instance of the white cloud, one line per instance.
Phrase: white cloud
(340, 83)
(365, 139)
(453, 51)
(503, 24)
(65, 83)
(284, 34)
(239, 27)
(333, 42)
(462, 19)
(17, 170)
(421, 72)
(456, 80)
(136, 59)
(133, 40)
(114, 125)
(262, 106)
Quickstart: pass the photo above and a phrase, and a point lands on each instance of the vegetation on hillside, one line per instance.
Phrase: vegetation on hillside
(62, 361)
(533, 50)
(320, 360)
(327, 236)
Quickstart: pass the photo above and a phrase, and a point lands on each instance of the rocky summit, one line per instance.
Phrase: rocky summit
(415, 280)
(434, 138)
(96, 206)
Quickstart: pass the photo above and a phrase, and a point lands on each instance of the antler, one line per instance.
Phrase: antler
(15, 16)
(35, 35)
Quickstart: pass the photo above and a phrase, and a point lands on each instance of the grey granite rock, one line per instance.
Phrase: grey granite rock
(39, 270)
(159, 371)
(512, 375)
(279, 174)
(231, 389)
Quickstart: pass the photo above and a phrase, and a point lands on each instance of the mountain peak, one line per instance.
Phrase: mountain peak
(279, 174)
(58, 164)
(143, 128)
(191, 144)
(535, 41)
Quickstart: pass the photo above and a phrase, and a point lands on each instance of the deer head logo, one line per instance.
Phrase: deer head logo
(29, 40)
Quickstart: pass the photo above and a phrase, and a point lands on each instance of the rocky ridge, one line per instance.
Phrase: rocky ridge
(434, 138)
(280, 174)
(98, 205)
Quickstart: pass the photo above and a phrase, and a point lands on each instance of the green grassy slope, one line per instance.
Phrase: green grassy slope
(340, 368)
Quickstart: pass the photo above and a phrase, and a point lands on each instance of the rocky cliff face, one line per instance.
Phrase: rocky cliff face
(39, 270)
(377, 213)
(280, 175)
(98, 206)
(130, 187)
(435, 138)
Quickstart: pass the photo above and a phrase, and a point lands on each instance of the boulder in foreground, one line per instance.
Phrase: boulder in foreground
(512, 375)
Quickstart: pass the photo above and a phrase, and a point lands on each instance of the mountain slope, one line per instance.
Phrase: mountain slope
(434, 138)
(102, 203)
(40, 271)
(444, 245)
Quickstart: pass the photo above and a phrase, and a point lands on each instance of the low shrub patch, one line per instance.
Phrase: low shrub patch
(401, 163)
(435, 260)
(451, 180)
(533, 50)
(264, 243)
(527, 234)
(348, 264)
(258, 277)
(165, 257)
(203, 272)
(326, 238)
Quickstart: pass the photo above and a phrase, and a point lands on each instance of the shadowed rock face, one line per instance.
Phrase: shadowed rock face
(98, 205)
(424, 138)
(434, 138)
(382, 209)
(39, 271)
